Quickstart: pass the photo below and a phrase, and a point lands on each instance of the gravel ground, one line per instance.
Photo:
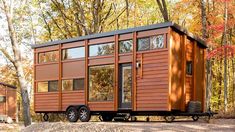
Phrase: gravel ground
(224, 125)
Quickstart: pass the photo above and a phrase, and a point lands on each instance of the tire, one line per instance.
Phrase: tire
(195, 118)
(169, 119)
(84, 114)
(107, 117)
(72, 114)
(45, 117)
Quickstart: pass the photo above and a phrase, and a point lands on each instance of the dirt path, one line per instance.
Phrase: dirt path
(224, 125)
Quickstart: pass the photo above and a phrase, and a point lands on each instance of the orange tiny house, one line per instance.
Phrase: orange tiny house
(149, 70)
(7, 101)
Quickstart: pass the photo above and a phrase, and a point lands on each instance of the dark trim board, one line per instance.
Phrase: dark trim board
(7, 85)
(124, 31)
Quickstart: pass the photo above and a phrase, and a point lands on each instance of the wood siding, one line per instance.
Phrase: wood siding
(152, 85)
(45, 102)
(101, 106)
(9, 107)
(72, 98)
(189, 78)
(176, 70)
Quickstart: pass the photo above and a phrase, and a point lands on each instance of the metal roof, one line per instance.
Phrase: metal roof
(124, 31)
(7, 85)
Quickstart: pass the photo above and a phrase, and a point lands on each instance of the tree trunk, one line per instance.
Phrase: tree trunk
(225, 56)
(18, 66)
(163, 8)
(127, 13)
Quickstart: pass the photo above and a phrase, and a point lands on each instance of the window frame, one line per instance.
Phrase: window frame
(106, 43)
(113, 92)
(3, 99)
(189, 68)
(44, 52)
(149, 40)
(73, 84)
(62, 53)
(48, 86)
(119, 44)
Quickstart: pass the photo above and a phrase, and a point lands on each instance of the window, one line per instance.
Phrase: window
(73, 84)
(53, 86)
(50, 86)
(189, 68)
(101, 83)
(143, 44)
(42, 86)
(73, 53)
(150, 43)
(101, 49)
(125, 46)
(51, 56)
(2, 99)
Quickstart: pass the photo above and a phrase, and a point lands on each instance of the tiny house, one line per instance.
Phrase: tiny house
(7, 101)
(149, 70)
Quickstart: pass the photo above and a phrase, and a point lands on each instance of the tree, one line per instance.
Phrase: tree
(163, 8)
(16, 57)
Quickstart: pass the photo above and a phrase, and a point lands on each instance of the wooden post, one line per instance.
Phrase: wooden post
(169, 44)
(86, 72)
(183, 76)
(134, 70)
(116, 74)
(60, 80)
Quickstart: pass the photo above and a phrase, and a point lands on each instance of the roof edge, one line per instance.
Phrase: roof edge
(123, 31)
(8, 85)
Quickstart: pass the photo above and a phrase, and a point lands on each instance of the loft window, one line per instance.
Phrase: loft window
(73, 53)
(48, 86)
(151, 43)
(50, 56)
(125, 46)
(101, 83)
(2, 99)
(73, 84)
(189, 68)
(101, 49)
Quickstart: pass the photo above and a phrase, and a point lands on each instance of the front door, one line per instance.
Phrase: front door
(125, 86)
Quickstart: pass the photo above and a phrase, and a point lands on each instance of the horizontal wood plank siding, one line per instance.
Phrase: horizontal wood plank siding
(101, 106)
(46, 102)
(72, 98)
(47, 72)
(73, 69)
(152, 86)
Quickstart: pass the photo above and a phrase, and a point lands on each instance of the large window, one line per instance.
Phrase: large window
(150, 43)
(101, 49)
(50, 86)
(51, 56)
(72, 53)
(73, 84)
(2, 99)
(125, 46)
(101, 83)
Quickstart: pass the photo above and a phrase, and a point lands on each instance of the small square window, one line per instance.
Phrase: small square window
(189, 68)
(2, 99)
(125, 46)
(78, 84)
(143, 44)
(53, 86)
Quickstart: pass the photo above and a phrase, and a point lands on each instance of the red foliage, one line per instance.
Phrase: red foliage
(220, 52)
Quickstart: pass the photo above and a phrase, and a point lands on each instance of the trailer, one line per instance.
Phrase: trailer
(7, 102)
(149, 70)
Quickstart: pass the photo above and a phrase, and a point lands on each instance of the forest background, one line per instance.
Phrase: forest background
(27, 22)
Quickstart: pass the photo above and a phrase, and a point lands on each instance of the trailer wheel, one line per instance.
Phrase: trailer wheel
(45, 117)
(72, 114)
(195, 118)
(169, 119)
(84, 114)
